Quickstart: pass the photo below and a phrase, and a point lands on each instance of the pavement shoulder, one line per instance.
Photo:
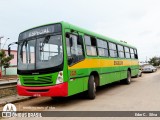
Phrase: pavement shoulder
(5, 82)
(13, 99)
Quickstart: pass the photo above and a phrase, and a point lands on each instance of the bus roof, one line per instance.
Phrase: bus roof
(87, 32)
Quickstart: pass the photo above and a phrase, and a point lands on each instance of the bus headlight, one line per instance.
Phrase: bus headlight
(18, 82)
(59, 78)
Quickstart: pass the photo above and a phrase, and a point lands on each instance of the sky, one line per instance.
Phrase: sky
(135, 21)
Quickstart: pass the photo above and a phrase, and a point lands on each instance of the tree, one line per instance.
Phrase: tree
(4, 60)
(155, 61)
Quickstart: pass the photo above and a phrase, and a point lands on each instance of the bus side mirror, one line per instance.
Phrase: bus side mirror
(9, 48)
(9, 51)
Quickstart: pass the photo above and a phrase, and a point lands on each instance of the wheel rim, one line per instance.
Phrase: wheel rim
(129, 77)
(94, 87)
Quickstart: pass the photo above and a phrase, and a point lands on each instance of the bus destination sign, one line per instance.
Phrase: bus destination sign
(35, 33)
(40, 31)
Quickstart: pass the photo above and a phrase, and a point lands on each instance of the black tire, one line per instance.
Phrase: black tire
(91, 88)
(128, 79)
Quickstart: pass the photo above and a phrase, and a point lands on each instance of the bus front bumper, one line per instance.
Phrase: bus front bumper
(60, 90)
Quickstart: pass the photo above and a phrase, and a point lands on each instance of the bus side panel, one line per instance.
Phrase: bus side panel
(75, 86)
(123, 74)
(135, 67)
(107, 78)
(135, 71)
(103, 79)
(78, 81)
(109, 75)
(117, 76)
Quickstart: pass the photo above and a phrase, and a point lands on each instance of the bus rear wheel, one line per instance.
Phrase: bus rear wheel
(91, 88)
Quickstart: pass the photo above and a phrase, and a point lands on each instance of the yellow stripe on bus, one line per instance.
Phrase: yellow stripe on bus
(97, 63)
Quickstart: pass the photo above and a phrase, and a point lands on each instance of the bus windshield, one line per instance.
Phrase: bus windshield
(40, 53)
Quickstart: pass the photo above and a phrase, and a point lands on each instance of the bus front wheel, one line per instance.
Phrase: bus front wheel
(91, 88)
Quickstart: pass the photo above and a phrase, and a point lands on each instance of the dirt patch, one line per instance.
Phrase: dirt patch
(8, 91)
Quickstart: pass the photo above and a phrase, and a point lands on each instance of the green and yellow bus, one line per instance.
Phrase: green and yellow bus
(61, 59)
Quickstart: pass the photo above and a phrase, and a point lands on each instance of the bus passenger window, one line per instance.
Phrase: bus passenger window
(127, 53)
(74, 49)
(132, 53)
(102, 48)
(113, 50)
(91, 44)
(135, 54)
(120, 51)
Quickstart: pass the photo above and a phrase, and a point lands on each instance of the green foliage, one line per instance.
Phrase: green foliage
(5, 60)
(155, 61)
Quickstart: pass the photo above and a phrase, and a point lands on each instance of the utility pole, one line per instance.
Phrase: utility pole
(0, 58)
(0, 41)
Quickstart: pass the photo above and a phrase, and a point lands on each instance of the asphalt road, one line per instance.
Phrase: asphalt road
(143, 94)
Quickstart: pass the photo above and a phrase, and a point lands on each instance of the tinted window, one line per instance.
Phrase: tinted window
(112, 46)
(102, 48)
(102, 44)
(120, 51)
(135, 54)
(90, 45)
(132, 53)
(102, 52)
(74, 51)
(127, 53)
(135, 51)
(87, 40)
(112, 50)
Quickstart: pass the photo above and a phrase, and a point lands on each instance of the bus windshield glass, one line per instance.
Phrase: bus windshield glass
(40, 53)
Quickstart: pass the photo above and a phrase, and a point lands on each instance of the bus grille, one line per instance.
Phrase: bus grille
(37, 80)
